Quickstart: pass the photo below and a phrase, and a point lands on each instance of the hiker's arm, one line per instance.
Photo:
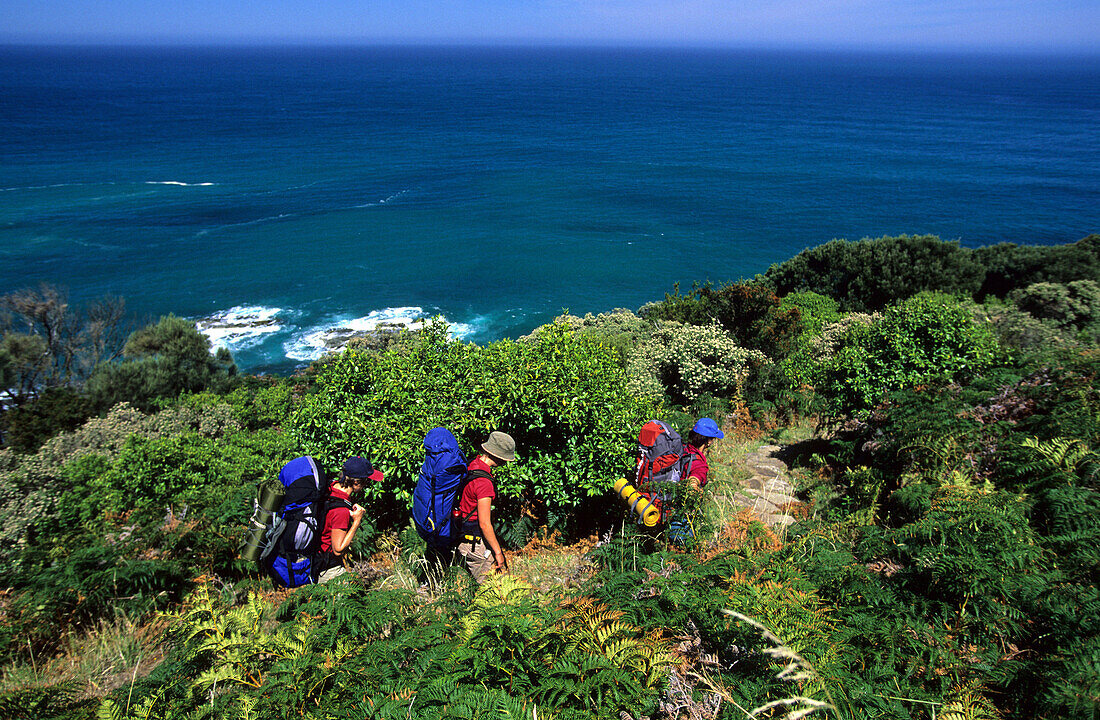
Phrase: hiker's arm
(341, 539)
(485, 522)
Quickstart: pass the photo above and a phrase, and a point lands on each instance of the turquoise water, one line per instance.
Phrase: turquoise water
(309, 189)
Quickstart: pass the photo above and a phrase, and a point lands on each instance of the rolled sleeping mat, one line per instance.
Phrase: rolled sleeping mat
(267, 503)
(647, 512)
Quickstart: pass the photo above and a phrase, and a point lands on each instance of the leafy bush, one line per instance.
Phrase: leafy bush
(750, 312)
(816, 312)
(1020, 330)
(564, 399)
(929, 336)
(56, 410)
(690, 361)
(620, 329)
(263, 402)
(1010, 266)
(870, 274)
(1074, 306)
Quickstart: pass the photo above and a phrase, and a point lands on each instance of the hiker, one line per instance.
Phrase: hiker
(477, 542)
(681, 527)
(342, 517)
(704, 432)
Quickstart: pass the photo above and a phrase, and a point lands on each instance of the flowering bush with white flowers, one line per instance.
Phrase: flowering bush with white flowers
(687, 361)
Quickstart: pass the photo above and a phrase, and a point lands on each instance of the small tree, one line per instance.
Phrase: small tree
(162, 361)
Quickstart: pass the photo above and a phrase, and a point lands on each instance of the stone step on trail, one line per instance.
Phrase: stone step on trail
(767, 493)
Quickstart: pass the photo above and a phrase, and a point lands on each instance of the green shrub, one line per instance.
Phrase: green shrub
(620, 329)
(927, 337)
(1010, 266)
(1074, 306)
(870, 274)
(750, 312)
(564, 399)
(56, 410)
(687, 362)
(1020, 330)
(816, 312)
(263, 402)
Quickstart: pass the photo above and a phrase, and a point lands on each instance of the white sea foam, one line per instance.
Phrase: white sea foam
(177, 182)
(241, 326)
(385, 200)
(463, 330)
(245, 223)
(246, 326)
(334, 335)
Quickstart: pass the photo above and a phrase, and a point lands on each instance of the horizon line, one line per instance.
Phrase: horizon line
(540, 43)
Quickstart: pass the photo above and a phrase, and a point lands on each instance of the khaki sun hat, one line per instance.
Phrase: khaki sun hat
(500, 445)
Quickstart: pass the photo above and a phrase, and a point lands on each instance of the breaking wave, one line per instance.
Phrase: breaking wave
(177, 182)
(284, 337)
(242, 326)
(312, 343)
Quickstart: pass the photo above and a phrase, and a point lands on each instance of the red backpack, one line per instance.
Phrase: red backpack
(660, 459)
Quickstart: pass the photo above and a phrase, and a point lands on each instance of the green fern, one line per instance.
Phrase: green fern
(111, 710)
(232, 646)
(967, 701)
(1070, 459)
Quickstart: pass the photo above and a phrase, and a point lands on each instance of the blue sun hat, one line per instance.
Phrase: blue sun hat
(708, 428)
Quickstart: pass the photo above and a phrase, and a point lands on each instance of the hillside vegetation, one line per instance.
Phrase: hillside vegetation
(937, 406)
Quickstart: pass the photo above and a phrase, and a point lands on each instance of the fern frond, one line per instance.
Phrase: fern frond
(109, 710)
(968, 702)
(1069, 456)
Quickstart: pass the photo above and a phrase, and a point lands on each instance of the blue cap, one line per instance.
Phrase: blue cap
(708, 428)
(361, 469)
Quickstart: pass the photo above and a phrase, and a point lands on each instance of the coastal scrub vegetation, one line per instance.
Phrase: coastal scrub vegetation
(947, 565)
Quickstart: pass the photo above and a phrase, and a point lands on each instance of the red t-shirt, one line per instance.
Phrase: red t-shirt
(338, 517)
(476, 489)
(699, 467)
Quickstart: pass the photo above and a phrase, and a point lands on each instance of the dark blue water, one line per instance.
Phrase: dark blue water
(325, 187)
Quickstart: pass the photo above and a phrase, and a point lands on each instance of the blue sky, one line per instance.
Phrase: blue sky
(1028, 25)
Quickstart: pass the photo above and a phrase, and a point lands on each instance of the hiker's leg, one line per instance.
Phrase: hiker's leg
(436, 561)
(477, 559)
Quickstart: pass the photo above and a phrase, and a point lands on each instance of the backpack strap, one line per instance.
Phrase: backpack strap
(463, 521)
(324, 560)
(331, 503)
(686, 461)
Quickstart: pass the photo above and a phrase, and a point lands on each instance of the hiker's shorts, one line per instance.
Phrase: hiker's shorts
(478, 558)
(331, 574)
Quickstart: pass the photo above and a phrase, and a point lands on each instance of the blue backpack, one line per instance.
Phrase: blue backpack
(294, 537)
(438, 487)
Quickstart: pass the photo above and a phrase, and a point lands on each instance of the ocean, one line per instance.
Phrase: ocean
(283, 197)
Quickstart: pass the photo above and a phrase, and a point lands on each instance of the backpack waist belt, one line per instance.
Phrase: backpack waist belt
(471, 532)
